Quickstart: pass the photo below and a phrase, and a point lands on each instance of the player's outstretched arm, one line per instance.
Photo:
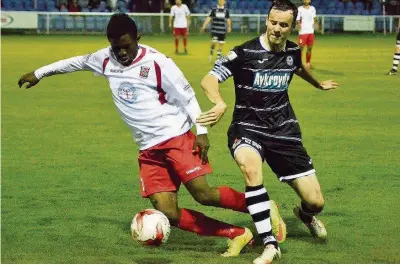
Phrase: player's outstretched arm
(305, 74)
(210, 87)
(61, 67)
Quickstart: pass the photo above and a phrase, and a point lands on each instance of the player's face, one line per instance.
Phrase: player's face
(221, 2)
(125, 49)
(306, 2)
(178, 2)
(279, 26)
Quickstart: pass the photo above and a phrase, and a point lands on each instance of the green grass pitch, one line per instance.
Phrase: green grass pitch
(70, 184)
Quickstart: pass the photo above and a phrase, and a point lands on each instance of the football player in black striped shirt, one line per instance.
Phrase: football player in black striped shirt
(264, 126)
(221, 24)
(396, 56)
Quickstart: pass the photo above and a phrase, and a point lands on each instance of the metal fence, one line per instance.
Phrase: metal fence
(150, 23)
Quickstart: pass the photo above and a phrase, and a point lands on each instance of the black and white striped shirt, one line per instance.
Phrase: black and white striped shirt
(262, 80)
(219, 15)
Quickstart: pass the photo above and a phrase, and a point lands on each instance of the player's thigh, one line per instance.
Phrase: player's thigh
(302, 40)
(155, 175)
(167, 203)
(310, 41)
(309, 190)
(185, 164)
(248, 154)
(250, 162)
(214, 38)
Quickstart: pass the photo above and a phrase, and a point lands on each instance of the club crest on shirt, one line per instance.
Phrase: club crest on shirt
(289, 60)
(144, 72)
(127, 92)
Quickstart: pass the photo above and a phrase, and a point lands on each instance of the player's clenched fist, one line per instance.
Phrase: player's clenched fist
(29, 78)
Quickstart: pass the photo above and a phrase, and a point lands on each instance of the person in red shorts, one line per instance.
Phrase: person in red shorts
(181, 15)
(159, 105)
(306, 20)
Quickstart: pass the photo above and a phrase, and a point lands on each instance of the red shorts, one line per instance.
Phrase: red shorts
(166, 165)
(306, 40)
(180, 31)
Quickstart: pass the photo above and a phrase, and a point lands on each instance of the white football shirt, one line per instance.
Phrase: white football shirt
(150, 94)
(306, 16)
(179, 14)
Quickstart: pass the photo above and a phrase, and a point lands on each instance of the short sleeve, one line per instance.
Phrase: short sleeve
(315, 13)
(172, 11)
(298, 15)
(187, 10)
(297, 59)
(96, 61)
(227, 66)
(173, 81)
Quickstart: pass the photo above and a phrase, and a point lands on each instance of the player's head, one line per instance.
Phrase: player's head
(178, 2)
(221, 2)
(306, 2)
(281, 21)
(123, 37)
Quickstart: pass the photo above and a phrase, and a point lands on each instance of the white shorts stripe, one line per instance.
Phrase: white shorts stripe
(259, 207)
(310, 172)
(264, 226)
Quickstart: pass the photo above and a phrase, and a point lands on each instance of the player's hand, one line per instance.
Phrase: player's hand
(212, 116)
(29, 78)
(202, 30)
(328, 85)
(170, 25)
(229, 29)
(201, 146)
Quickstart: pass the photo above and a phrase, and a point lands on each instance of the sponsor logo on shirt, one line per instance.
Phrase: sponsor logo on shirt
(116, 71)
(127, 92)
(268, 80)
(289, 60)
(144, 72)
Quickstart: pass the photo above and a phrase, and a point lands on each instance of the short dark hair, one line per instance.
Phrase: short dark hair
(119, 25)
(285, 5)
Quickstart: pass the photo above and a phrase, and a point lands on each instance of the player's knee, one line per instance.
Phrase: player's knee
(316, 203)
(251, 174)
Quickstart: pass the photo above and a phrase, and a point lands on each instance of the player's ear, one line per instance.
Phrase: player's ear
(138, 38)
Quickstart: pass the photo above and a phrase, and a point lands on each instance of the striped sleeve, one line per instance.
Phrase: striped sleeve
(226, 66)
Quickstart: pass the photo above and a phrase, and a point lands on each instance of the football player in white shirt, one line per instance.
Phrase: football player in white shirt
(180, 14)
(306, 20)
(159, 105)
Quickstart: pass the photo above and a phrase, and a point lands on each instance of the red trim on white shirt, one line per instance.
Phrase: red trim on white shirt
(105, 62)
(142, 54)
(161, 92)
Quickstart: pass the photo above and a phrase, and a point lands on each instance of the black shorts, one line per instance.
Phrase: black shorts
(218, 37)
(287, 159)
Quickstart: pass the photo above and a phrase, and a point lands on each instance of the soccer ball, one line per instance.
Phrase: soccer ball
(150, 227)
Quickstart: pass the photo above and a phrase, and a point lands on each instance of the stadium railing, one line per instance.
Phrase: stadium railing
(157, 23)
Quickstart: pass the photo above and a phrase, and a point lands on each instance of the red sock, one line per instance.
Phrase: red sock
(232, 199)
(200, 224)
(308, 57)
(176, 43)
(184, 42)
